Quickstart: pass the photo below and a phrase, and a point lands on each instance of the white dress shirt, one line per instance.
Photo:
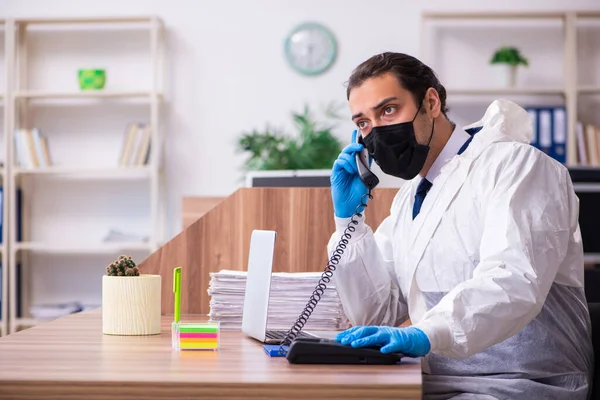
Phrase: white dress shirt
(451, 148)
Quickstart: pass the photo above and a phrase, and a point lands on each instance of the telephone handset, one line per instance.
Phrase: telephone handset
(321, 351)
(363, 164)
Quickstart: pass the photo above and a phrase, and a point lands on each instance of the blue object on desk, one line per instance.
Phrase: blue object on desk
(273, 350)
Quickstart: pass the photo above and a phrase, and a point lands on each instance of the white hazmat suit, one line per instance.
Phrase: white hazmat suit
(491, 270)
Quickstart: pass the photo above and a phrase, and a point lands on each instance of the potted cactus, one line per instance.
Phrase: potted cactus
(130, 300)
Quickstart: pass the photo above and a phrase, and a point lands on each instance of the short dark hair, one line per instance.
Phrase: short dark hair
(412, 74)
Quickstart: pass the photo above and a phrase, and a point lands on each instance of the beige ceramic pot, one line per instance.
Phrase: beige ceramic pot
(131, 305)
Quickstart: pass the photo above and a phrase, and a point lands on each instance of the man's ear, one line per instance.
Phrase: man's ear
(432, 103)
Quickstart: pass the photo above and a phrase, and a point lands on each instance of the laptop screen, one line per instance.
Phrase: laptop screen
(258, 283)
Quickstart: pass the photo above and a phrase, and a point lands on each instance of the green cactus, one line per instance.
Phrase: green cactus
(123, 266)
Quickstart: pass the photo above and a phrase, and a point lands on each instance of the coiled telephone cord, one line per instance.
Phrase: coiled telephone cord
(325, 277)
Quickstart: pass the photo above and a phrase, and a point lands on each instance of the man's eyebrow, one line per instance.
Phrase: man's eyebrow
(379, 105)
(382, 102)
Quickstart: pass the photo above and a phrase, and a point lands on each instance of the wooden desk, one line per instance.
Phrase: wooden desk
(70, 358)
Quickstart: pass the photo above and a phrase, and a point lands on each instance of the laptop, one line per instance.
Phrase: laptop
(258, 288)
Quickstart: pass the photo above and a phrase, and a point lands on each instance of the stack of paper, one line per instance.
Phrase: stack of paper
(290, 293)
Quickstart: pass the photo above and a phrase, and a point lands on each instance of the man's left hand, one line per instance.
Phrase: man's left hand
(409, 341)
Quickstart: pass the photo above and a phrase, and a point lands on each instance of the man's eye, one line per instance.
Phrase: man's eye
(389, 110)
(362, 124)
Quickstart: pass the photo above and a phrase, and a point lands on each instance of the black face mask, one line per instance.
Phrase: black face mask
(396, 150)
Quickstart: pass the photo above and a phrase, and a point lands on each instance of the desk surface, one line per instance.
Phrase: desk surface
(71, 358)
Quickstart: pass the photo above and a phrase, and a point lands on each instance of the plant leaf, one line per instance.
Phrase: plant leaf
(314, 148)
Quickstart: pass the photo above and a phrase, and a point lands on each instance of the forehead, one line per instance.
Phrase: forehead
(373, 90)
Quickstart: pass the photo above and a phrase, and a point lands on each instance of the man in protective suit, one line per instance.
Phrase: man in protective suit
(481, 250)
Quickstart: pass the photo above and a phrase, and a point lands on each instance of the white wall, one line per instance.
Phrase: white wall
(227, 72)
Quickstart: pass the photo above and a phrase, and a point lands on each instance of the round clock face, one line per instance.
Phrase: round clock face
(310, 49)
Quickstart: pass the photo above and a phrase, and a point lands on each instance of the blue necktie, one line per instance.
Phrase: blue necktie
(425, 185)
(465, 145)
(422, 190)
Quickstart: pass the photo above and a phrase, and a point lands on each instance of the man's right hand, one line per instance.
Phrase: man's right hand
(347, 189)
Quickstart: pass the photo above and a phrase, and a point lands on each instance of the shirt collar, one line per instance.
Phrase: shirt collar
(451, 148)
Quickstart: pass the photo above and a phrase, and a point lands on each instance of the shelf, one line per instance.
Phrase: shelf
(82, 248)
(510, 15)
(587, 187)
(591, 258)
(588, 14)
(494, 15)
(27, 322)
(96, 94)
(506, 91)
(87, 20)
(117, 173)
(589, 89)
(584, 174)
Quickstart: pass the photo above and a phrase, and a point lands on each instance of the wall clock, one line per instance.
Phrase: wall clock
(310, 48)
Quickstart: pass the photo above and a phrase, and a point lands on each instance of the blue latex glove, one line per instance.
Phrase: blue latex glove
(409, 341)
(347, 189)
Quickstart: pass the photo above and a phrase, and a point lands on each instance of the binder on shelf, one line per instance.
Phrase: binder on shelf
(1, 214)
(534, 125)
(19, 293)
(545, 131)
(549, 124)
(559, 134)
(18, 217)
(19, 229)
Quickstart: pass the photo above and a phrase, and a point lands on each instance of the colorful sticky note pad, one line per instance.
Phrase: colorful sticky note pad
(197, 335)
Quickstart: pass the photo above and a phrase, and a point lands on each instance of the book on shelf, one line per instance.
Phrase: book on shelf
(19, 198)
(588, 144)
(136, 145)
(31, 148)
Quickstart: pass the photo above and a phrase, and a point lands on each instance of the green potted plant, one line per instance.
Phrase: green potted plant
(130, 300)
(507, 59)
(313, 148)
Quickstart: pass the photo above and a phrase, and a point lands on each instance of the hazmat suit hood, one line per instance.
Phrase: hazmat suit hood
(503, 121)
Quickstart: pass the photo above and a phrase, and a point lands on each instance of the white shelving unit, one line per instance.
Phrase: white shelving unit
(570, 89)
(31, 98)
(5, 112)
(556, 40)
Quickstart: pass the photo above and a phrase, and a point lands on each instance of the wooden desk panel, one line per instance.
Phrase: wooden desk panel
(70, 358)
(220, 239)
